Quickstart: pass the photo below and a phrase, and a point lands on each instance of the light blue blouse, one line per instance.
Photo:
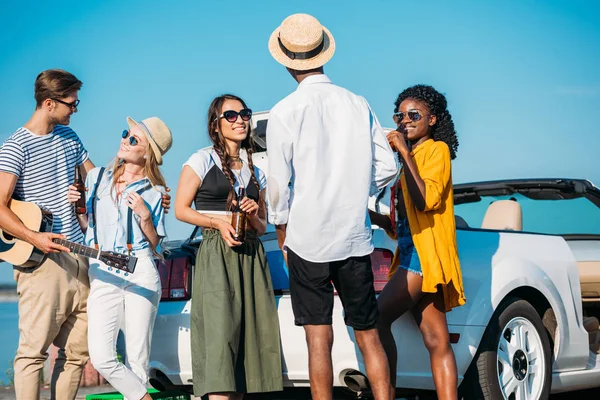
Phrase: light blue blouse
(111, 214)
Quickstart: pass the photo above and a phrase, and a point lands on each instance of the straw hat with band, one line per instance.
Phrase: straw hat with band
(301, 43)
(158, 134)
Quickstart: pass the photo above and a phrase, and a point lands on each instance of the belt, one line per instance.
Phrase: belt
(209, 232)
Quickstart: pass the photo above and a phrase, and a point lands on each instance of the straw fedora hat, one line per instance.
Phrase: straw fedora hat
(158, 134)
(301, 43)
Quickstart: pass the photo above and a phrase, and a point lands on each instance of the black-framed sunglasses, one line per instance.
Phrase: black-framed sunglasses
(413, 115)
(232, 116)
(132, 139)
(72, 105)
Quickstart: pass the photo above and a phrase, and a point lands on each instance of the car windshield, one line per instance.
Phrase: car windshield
(559, 216)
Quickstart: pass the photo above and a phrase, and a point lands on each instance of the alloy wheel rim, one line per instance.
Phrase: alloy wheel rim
(521, 361)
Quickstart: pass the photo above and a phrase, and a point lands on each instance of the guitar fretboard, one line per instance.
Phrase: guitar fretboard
(78, 248)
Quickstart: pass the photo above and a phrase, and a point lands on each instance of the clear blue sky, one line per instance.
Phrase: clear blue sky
(521, 77)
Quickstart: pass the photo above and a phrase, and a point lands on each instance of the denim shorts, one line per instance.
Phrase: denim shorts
(409, 259)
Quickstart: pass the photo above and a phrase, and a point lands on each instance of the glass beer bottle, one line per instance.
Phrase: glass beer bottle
(238, 219)
(78, 183)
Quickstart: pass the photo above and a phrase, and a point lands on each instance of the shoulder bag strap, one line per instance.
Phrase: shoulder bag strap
(130, 220)
(94, 200)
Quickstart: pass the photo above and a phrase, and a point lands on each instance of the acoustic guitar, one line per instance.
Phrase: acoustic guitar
(20, 253)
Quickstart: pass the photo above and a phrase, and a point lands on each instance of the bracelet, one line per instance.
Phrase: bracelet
(210, 221)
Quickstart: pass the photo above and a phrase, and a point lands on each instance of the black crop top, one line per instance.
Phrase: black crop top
(214, 189)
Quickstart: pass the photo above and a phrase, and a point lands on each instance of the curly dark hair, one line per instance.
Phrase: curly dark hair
(443, 129)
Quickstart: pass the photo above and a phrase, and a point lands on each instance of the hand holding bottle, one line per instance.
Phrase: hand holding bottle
(227, 231)
(73, 194)
(397, 140)
(239, 217)
(249, 206)
(79, 187)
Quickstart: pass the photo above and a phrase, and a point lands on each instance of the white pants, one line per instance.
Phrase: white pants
(127, 302)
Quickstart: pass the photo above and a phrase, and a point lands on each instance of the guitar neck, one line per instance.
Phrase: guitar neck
(78, 249)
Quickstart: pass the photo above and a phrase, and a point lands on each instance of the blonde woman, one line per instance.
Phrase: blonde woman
(126, 215)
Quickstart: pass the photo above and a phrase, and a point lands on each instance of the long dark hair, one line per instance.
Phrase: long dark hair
(218, 141)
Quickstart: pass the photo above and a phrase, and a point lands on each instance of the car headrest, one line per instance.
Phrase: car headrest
(503, 215)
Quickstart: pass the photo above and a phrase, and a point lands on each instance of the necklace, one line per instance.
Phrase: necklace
(239, 175)
(133, 177)
(234, 157)
(126, 182)
(235, 160)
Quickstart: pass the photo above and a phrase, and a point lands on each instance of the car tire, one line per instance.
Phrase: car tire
(514, 359)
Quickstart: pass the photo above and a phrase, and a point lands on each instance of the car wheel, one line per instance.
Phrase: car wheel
(514, 359)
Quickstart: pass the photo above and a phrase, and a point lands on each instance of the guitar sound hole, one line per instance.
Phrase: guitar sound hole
(7, 236)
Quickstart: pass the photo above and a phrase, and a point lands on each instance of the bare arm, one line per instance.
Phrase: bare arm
(427, 187)
(88, 165)
(381, 220)
(189, 182)
(416, 186)
(10, 223)
(281, 231)
(73, 195)
(149, 231)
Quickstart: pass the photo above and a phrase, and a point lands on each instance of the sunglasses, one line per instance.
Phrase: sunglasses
(132, 139)
(413, 115)
(232, 116)
(72, 105)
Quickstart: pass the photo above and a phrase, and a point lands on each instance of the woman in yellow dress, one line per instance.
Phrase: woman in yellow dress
(425, 277)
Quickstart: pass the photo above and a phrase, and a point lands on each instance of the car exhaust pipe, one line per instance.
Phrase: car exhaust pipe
(355, 381)
(156, 384)
(159, 381)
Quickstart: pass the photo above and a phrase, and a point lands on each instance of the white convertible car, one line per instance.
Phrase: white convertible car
(530, 257)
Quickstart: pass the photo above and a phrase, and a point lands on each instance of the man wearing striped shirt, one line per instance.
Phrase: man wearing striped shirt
(37, 165)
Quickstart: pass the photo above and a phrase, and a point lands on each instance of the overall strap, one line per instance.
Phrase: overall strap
(94, 200)
(130, 220)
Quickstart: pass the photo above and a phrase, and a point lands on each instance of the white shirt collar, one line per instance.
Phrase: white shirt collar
(313, 79)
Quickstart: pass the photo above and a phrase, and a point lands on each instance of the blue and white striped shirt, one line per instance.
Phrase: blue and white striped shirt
(45, 167)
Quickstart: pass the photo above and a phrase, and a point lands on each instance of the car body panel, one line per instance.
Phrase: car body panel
(493, 264)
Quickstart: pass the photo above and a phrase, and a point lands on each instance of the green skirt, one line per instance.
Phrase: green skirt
(235, 327)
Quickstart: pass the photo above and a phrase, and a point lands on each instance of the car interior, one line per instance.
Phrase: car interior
(507, 215)
(503, 215)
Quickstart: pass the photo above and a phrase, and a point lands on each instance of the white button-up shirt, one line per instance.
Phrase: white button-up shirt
(327, 154)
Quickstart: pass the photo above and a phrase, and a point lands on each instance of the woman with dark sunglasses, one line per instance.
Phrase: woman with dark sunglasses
(425, 277)
(235, 327)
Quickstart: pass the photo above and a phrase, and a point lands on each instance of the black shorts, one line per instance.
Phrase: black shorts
(311, 289)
